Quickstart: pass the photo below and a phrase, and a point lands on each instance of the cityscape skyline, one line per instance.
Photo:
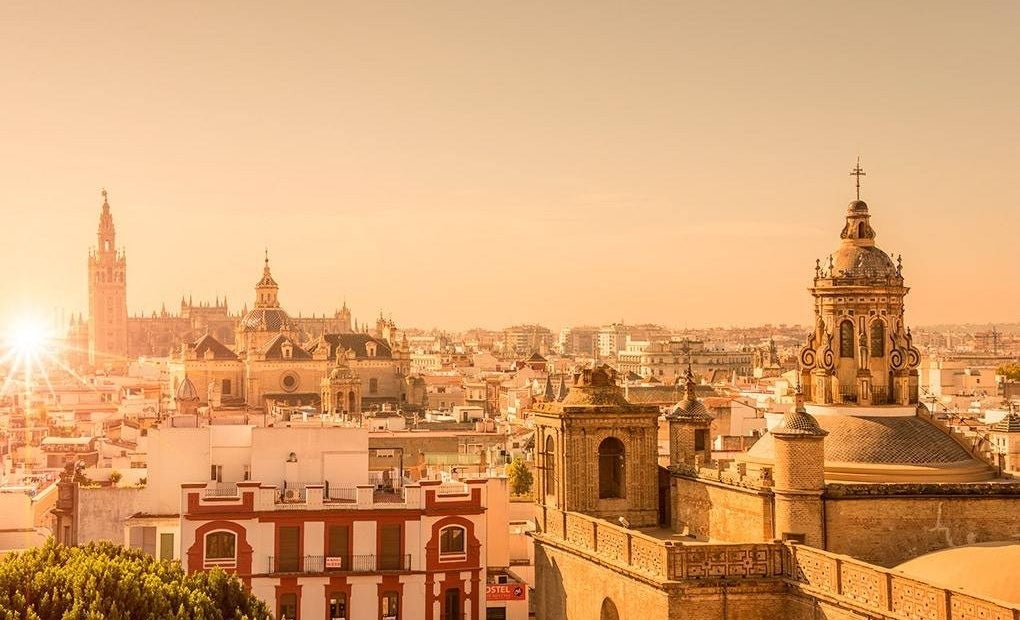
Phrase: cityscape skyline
(456, 166)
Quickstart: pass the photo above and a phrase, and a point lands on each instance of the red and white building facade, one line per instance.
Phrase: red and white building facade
(357, 552)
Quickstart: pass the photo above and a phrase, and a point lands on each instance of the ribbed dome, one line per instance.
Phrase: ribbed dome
(862, 261)
(883, 449)
(689, 410)
(186, 391)
(267, 320)
(799, 422)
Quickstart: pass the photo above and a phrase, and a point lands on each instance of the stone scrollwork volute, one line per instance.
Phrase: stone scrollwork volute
(807, 353)
(913, 355)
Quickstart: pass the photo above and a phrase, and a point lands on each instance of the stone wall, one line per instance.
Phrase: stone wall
(101, 511)
(582, 561)
(891, 529)
(720, 511)
(844, 588)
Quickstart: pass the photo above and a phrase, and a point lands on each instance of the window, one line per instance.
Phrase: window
(550, 466)
(220, 548)
(338, 546)
(373, 386)
(389, 606)
(166, 546)
(451, 604)
(877, 339)
(611, 472)
(451, 540)
(288, 606)
(389, 547)
(288, 549)
(225, 387)
(216, 473)
(609, 611)
(846, 339)
(700, 439)
(338, 606)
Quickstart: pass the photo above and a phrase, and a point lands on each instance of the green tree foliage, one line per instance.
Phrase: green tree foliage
(104, 581)
(1011, 371)
(519, 476)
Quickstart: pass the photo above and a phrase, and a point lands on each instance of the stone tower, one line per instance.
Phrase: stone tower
(861, 351)
(108, 330)
(597, 452)
(690, 441)
(799, 476)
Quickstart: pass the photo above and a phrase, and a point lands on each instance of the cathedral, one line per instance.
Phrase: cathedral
(814, 521)
(255, 358)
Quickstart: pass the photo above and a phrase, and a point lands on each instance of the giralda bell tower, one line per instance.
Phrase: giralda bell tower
(107, 297)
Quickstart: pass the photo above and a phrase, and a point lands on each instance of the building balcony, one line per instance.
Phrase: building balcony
(317, 564)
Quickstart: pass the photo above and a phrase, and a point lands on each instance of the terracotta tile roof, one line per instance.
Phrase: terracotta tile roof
(219, 350)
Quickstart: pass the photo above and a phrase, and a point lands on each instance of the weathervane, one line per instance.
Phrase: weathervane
(858, 172)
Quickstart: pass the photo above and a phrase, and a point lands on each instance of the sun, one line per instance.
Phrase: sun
(28, 338)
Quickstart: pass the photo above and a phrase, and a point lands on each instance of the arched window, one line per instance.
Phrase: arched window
(877, 339)
(220, 548)
(550, 466)
(860, 230)
(609, 611)
(846, 339)
(452, 540)
(611, 468)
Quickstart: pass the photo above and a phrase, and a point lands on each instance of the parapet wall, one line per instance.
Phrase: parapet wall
(695, 577)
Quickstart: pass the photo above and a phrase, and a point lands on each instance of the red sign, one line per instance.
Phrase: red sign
(334, 562)
(505, 592)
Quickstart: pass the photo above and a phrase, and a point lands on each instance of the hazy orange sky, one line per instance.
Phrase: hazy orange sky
(479, 163)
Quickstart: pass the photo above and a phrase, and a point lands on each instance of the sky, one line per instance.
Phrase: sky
(456, 164)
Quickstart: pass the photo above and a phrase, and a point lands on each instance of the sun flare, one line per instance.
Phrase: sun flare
(28, 338)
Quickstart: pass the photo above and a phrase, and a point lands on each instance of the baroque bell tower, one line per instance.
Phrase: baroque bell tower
(107, 296)
(861, 352)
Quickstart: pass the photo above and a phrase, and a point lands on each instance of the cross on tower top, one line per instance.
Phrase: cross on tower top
(858, 172)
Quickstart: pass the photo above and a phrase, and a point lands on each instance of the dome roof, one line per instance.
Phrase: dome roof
(186, 390)
(857, 206)
(271, 319)
(862, 261)
(967, 568)
(799, 422)
(689, 410)
(878, 449)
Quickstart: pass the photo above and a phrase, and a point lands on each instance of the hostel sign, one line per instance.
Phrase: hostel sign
(505, 592)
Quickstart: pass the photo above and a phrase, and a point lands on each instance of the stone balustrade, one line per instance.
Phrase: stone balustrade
(844, 582)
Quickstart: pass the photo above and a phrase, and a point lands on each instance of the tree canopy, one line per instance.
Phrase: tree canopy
(519, 476)
(104, 581)
(1011, 371)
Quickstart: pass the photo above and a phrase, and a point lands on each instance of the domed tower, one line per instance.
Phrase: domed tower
(690, 441)
(266, 319)
(861, 351)
(799, 476)
(108, 333)
(597, 453)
